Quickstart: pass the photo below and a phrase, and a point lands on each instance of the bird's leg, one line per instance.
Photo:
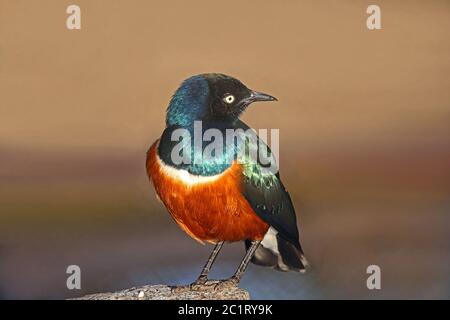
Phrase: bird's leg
(236, 278)
(248, 256)
(203, 277)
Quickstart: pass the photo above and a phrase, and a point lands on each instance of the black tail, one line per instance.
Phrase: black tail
(278, 253)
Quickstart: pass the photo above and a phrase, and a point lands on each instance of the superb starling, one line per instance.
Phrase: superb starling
(226, 197)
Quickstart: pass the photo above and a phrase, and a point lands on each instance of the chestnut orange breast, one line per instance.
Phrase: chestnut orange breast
(210, 208)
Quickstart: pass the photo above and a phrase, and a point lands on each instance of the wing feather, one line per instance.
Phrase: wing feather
(265, 192)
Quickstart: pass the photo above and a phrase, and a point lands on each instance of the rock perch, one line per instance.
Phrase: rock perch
(164, 292)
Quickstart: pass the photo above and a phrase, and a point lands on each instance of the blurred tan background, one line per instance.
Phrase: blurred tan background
(364, 127)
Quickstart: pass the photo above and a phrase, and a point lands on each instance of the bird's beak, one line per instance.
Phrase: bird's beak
(259, 96)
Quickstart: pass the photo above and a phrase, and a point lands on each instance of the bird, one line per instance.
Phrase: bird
(223, 198)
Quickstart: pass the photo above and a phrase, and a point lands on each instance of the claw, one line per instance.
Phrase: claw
(199, 283)
(202, 283)
(201, 280)
(179, 289)
(227, 283)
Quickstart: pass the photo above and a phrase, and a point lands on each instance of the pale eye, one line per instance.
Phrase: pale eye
(229, 99)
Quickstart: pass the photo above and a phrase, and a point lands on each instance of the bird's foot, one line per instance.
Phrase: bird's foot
(226, 284)
(201, 283)
(179, 289)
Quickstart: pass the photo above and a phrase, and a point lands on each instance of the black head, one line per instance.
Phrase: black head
(211, 96)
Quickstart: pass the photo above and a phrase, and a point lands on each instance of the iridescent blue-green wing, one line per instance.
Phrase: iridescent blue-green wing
(266, 194)
(271, 202)
(263, 189)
